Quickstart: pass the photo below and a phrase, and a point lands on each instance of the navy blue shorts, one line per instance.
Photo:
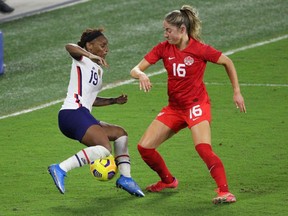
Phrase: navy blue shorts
(74, 123)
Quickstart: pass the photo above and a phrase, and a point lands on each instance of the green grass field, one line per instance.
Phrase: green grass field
(253, 146)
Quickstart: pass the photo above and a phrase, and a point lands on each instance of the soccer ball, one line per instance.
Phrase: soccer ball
(104, 169)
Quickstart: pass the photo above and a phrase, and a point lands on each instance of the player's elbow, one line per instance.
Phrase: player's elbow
(225, 61)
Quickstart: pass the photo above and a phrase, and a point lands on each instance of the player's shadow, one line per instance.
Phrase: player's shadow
(113, 205)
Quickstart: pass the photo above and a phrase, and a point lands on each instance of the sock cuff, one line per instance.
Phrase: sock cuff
(145, 152)
(119, 139)
(203, 146)
(141, 148)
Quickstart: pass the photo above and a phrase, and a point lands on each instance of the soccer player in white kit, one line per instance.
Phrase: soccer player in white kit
(76, 121)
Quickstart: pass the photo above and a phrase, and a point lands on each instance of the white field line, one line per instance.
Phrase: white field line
(251, 84)
(224, 84)
(256, 45)
(114, 85)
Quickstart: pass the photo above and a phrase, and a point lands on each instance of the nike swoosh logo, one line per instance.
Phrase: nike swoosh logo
(161, 113)
(170, 58)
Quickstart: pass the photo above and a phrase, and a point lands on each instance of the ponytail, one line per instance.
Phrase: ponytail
(187, 16)
(193, 22)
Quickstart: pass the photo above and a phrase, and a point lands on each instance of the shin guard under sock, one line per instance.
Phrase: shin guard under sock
(154, 160)
(214, 165)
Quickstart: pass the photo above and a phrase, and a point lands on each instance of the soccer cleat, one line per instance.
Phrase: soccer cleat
(157, 187)
(224, 197)
(128, 184)
(5, 8)
(58, 176)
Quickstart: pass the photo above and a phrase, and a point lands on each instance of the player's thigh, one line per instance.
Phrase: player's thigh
(201, 133)
(112, 131)
(95, 135)
(156, 133)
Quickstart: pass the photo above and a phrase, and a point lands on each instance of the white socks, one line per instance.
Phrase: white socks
(122, 157)
(85, 156)
(89, 154)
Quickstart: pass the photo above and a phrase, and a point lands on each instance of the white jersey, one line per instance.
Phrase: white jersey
(85, 84)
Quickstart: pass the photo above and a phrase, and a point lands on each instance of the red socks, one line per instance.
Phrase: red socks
(154, 160)
(214, 165)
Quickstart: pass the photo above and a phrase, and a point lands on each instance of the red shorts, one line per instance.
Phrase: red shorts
(179, 119)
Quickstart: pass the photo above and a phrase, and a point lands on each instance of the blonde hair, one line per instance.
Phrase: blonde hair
(188, 16)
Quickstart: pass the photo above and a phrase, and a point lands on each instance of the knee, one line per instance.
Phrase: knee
(100, 151)
(123, 132)
(119, 132)
(108, 147)
(98, 141)
(105, 144)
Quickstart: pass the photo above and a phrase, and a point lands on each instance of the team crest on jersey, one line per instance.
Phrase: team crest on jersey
(188, 60)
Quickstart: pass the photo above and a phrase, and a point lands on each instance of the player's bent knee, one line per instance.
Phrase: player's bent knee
(118, 132)
(101, 151)
(122, 132)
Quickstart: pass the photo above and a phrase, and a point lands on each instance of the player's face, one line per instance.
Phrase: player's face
(99, 46)
(172, 33)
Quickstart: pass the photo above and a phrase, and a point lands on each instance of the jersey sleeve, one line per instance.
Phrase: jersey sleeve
(155, 54)
(211, 54)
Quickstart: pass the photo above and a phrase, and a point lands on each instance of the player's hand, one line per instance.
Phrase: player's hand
(239, 102)
(122, 99)
(144, 83)
(98, 60)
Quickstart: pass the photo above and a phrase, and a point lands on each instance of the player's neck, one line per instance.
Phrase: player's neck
(183, 43)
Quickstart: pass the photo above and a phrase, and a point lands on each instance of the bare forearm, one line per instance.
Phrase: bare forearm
(100, 101)
(136, 73)
(76, 51)
(232, 74)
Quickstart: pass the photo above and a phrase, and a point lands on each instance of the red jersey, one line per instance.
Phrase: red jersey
(185, 70)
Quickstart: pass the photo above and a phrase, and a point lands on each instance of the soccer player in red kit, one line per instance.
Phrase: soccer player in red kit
(184, 56)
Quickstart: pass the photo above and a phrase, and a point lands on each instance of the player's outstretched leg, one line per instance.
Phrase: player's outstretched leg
(224, 197)
(58, 176)
(128, 184)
